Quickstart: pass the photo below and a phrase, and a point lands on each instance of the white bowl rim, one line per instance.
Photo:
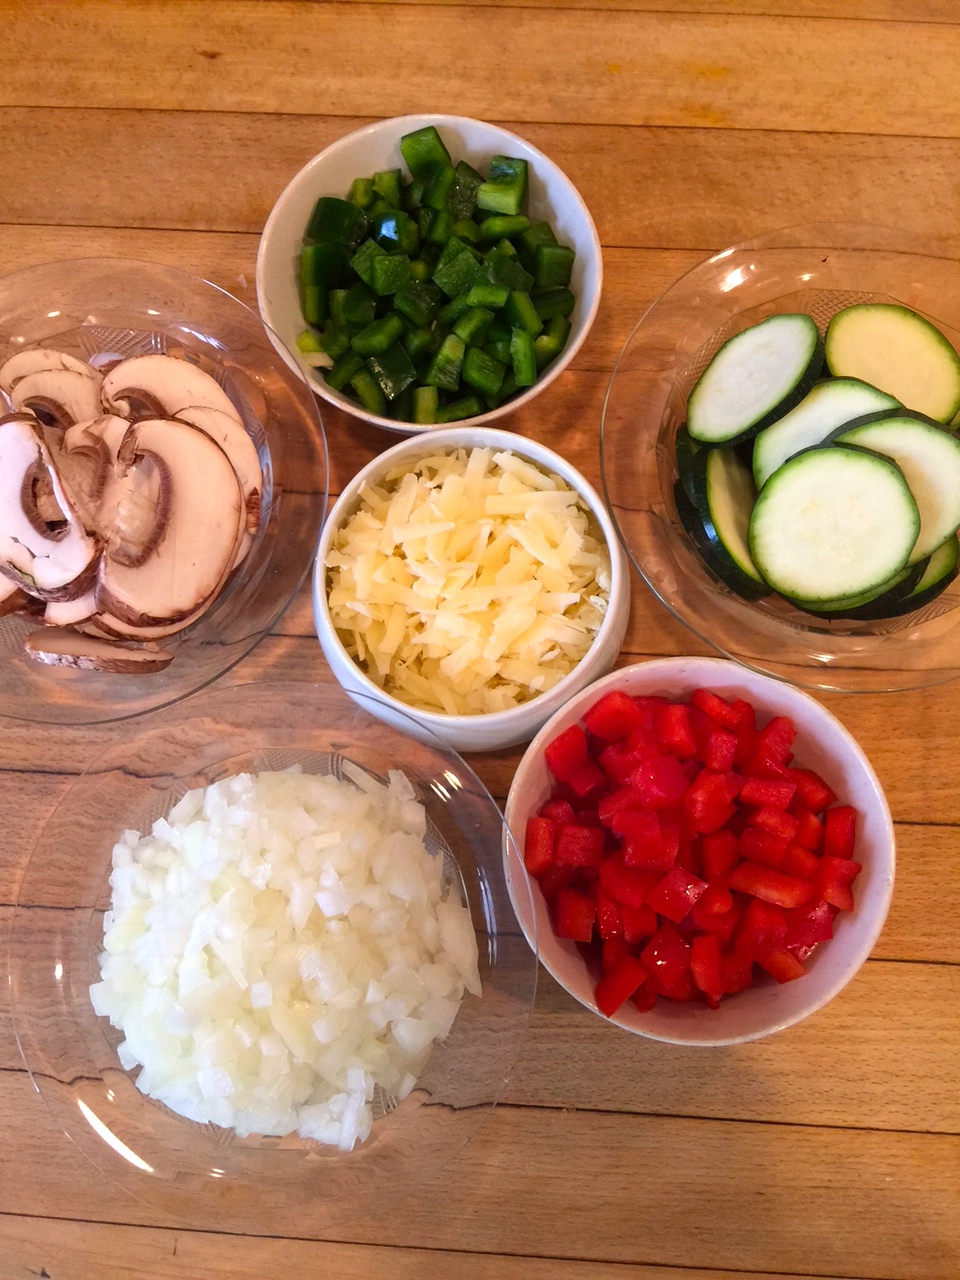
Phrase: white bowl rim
(792, 696)
(408, 124)
(496, 437)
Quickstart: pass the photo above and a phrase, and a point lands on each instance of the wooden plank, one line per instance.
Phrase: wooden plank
(777, 1198)
(91, 1251)
(680, 188)
(878, 10)
(635, 68)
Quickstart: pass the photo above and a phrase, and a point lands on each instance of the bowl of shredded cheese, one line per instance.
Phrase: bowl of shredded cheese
(294, 975)
(472, 580)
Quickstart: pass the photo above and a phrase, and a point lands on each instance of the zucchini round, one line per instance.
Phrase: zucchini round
(755, 378)
(712, 552)
(899, 351)
(833, 523)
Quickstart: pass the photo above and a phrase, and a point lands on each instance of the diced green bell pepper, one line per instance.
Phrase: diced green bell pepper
(553, 302)
(503, 226)
(423, 149)
(396, 232)
(456, 410)
(548, 344)
(377, 336)
(520, 313)
(426, 404)
(343, 370)
(472, 325)
(336, 221)
(393, 370)
(462, 197)
(389, 273)
(388, 184)
(368, 389)
(419, 301)
(506, 186)
(553, 265)
(458, 274)
(482, 371)
(523, 357)
(443, 370)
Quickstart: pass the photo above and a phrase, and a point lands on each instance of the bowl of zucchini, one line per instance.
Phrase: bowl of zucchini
(427, 269)
(779, 451)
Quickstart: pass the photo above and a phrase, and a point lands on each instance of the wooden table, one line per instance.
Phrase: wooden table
(165, 131)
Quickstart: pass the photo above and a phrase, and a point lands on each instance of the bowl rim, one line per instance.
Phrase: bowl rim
(674, 669)
(407, 123)
(495, 437)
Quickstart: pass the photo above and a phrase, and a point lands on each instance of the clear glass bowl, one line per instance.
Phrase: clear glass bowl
(98, 306)
(817, 269)
(199, 1172)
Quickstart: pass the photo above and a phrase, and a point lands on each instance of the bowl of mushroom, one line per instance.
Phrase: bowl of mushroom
(163, 481)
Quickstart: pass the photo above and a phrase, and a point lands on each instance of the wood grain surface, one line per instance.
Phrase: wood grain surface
(165, 131)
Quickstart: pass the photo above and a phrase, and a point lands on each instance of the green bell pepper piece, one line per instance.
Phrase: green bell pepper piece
(443, 370)
(378, 335)
(423, 150)
(506, 186)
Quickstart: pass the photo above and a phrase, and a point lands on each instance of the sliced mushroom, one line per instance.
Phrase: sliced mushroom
(64, 647)
(58, 396)
(86, 457)
(39, 360)
(231, 436)
(67, 613)
(163, 386)
(51, 563)
(199, 519)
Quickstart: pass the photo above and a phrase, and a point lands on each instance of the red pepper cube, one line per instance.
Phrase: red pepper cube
(808, 925)
(770, 793)
(638, 923)
(586, 778)
(580, 846)
(644, 998)
(761, 846)
(809, 826)
(800, 862)
(609, 920)
(737, 972)
(715, 900)
(558, 810)
(682, 992)
(567, 752)
(720, 750)
(708, 804)
(781, 964)
(661, 782)
(675, 730)
(619, 983)
(775, 740)
(675, 894)
(624, 799)
(671, 825)
(720, 851)
(706, 968)
(777, 821)
(812, 789)
(626, 884)
(771, 885)
(613, 716)
(642, 837)
(834, 878)
(762, 928)
(610, 952)
(538, 845)
(554, 879)
(840, 831)
(721, 926)
(720, 711)
(666, 956)
(574, 915)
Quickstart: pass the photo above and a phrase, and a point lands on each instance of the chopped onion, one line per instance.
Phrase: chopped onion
(280, 946)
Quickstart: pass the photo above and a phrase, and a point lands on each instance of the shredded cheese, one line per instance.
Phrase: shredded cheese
(468, 584)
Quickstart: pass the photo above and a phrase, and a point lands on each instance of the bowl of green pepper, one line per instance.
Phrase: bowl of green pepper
(427, 269)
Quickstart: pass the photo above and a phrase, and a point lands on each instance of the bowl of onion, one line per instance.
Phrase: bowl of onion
(471, 579)
(165, 480)
(710, 853)
(293, 978)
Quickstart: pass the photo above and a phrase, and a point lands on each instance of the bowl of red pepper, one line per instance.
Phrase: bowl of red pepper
(710, 852)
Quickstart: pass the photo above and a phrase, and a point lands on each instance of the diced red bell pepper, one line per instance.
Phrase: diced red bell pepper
(675, 730)
(761, 846)
(720, 925)
(737, 971)
(609, 920)
(775, 740)
(720, 750)
(626, 884)
(538, 845)
(834, 878)
(558, 810)
(720, 855)
(777, 821)
(642, 835)
(644, 998)
(580, 846)
(567, 752)
(556, 877)
(762, 928)
(716, 900)
(574, 915)
(812, 789)
(619, 983)
(840, 831)
(766, 793)
(666, 956)
(771, 885)
(808, 925)
(613, 802)
(720, 711)
(611, 949)
(809, 827)
(588, 777)
(708, 804)
(706, 967)
(638, 923)
(661, 782)
(781, 964)
(675, 893)
(682, 992)
(800, 862)
(613, 716)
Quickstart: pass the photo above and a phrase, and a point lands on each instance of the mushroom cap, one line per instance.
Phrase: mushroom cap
(165, 384)
(64, 394)
(36, 360)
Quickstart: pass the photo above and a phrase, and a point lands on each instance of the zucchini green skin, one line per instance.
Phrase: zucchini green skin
(900, 352)
(712, 413)
(712, 551)
(724, 494)
(881, 602)
(685, 448)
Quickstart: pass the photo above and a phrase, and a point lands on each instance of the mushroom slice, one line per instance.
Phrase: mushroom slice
(64, 647)
(58, 396)
(86, 457)
(51, 560)
(42, 360)
(232, 438)
(198, 520)
(66, 613)
(164, 386)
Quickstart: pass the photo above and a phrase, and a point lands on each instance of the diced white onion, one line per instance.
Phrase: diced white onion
(278, 947)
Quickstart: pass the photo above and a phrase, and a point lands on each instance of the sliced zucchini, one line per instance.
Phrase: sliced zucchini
(831, 524)
(755, 378)
(899, 351)
(939, 571)
(712, 551)
(686, 447)
(929, 458)
(869, 604)
(824, 408)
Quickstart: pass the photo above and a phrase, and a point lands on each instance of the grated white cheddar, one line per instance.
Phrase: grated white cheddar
(469, 584)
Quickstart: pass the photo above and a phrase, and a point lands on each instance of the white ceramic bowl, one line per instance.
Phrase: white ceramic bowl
(822, 744)
(551, 196)
(491, 731)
